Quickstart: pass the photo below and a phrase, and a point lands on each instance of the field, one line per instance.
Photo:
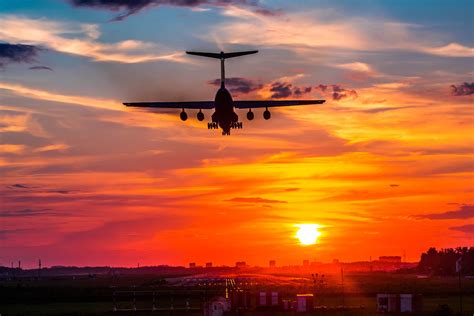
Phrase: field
(94, 295)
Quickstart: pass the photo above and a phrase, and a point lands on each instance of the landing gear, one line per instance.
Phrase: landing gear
(267, 114)
(250, 115)
(200, 116)
(236, 125)
(212, 125)
(183, 116)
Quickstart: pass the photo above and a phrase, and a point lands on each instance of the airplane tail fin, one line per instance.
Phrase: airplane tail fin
(222, 56)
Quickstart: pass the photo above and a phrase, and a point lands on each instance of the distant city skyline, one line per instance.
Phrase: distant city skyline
(384, 167)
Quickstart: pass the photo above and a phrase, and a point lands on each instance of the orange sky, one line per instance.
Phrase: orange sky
(383, 171)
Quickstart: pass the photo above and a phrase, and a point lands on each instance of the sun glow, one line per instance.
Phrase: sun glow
(308, 233)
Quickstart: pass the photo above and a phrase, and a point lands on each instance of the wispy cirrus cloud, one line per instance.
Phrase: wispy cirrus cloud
(80, 39)
(254, 200)
(326, 29)
(58, 97)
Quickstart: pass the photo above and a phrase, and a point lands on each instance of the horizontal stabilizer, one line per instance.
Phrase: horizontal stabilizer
(222, 55)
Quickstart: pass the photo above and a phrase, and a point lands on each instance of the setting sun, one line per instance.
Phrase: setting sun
(308, 233)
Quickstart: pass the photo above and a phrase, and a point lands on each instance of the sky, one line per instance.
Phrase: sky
(384, 167)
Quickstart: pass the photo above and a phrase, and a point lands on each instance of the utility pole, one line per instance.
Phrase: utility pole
(39, 268)
(342, 283)
(458, 270)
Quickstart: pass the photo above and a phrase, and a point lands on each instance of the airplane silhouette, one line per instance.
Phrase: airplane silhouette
(224, 115)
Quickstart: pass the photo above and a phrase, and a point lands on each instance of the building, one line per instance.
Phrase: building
(269, 299)
(305, 263)
(208, 264)
(396, 303)
(304, 303)
(240, 264)
(272, 264)
(218, 306)
(390, 259)
(192, 265)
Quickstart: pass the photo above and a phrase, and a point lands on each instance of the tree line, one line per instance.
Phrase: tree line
(443, 262)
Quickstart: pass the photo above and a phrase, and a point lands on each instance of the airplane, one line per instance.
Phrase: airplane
(224, 115)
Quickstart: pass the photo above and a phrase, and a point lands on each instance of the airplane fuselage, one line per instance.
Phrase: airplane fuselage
(224, 114)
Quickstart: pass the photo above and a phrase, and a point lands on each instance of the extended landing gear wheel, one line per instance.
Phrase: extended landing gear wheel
(212, 125)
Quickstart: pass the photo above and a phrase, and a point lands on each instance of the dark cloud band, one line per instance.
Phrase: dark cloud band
(238, 85)
(130, 7)
(462, 89)
(17, 53)
(338, 92)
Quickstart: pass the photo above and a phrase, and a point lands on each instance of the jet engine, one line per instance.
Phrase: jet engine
(200, 116)
(183, 116)
(267, 114)
(250, 115)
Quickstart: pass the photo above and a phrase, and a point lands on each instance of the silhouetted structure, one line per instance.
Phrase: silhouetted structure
(240, 264)
(443, 262)
(391, 259)
(224, 115)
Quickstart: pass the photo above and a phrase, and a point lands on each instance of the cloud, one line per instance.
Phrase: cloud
(79, 39)
(468, 229)
(17, 53)
(29, 212)
(41, 68)
(338, 92)
(451, 50)
(131, 7)
(282, 90)
(54, 147)
(56, 97)
(466, 211)
(462, 89)
(238, 85)
(19, 186)
(358, 71)
(322, 29)
(254, 200)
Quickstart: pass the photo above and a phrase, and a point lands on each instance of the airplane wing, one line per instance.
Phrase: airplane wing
(174, 105)
(272, 103)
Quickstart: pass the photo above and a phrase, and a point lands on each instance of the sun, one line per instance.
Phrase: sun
(308, 233)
